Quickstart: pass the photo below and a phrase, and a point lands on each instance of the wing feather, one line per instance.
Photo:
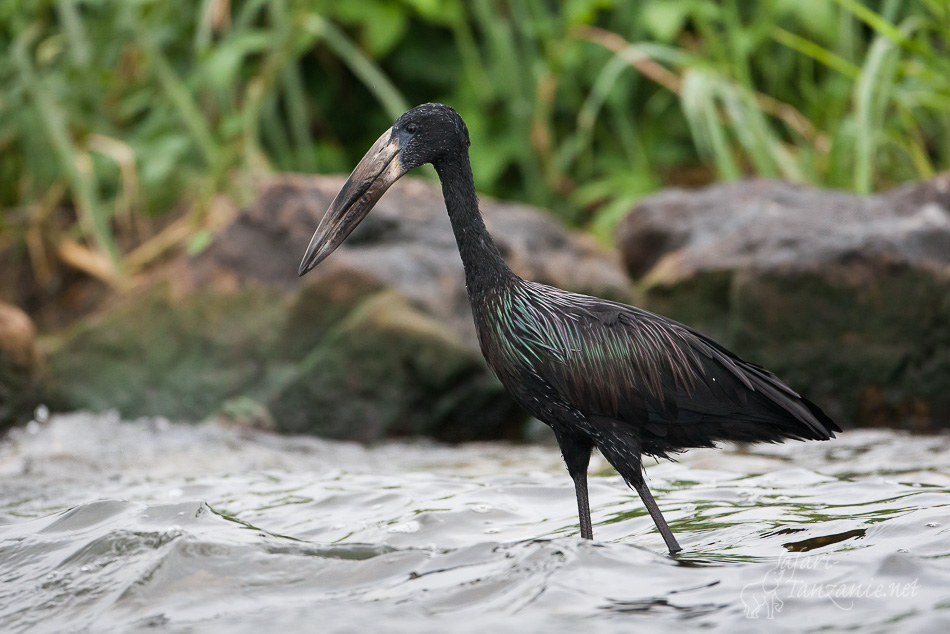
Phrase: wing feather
(619, 362)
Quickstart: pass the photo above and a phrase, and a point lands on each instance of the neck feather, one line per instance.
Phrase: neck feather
(485, 269)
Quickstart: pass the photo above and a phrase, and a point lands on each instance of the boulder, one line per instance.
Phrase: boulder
(846, 298)
(377, 341)
(20, 366)
(153, 353)
(389, 369)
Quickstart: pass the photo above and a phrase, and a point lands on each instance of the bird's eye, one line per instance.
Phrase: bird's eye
(411, 128)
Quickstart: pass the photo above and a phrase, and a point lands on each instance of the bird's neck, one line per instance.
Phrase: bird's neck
(485, 269)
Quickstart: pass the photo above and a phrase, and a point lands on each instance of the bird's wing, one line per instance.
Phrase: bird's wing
(618, 361)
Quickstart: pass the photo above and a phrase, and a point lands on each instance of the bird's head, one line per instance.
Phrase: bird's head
(429, 132)
(426, 134)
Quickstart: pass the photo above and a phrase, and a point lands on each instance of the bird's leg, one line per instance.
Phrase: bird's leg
(576, 453)
(641, 487)
(583, 504)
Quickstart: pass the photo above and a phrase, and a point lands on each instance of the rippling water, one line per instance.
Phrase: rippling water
(109, 526)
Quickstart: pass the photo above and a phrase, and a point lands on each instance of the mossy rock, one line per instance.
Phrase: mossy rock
(874, 347)
(326, 298)
(868, 344)
(176, 357)
(391, 370)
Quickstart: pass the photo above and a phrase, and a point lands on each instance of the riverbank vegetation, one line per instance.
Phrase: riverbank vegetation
(123, 122)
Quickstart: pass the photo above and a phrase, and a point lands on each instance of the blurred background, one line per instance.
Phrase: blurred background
(115, 113)
(132, 132)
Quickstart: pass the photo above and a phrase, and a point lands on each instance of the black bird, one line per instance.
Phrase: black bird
(599, 373)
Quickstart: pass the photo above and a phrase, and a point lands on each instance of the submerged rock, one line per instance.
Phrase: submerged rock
(377, 341)
(846, 298)
(20, 366)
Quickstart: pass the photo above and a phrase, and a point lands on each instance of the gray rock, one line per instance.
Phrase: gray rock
(847, 298)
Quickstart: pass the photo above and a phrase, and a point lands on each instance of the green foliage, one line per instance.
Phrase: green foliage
(580, 106)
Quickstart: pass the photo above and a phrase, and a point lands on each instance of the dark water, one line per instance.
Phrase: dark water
(151, 526)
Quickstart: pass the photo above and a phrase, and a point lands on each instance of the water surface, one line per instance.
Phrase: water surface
(110, 526)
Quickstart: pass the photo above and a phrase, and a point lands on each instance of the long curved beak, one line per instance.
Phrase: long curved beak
(379, 169)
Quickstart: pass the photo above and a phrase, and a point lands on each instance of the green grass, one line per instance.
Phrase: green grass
(119, 109)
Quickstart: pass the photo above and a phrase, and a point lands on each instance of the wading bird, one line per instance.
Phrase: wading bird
(599, 373)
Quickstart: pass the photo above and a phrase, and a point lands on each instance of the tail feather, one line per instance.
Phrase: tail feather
(768, 417)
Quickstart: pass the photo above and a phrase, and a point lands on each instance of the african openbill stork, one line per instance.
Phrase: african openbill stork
(599, 373)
